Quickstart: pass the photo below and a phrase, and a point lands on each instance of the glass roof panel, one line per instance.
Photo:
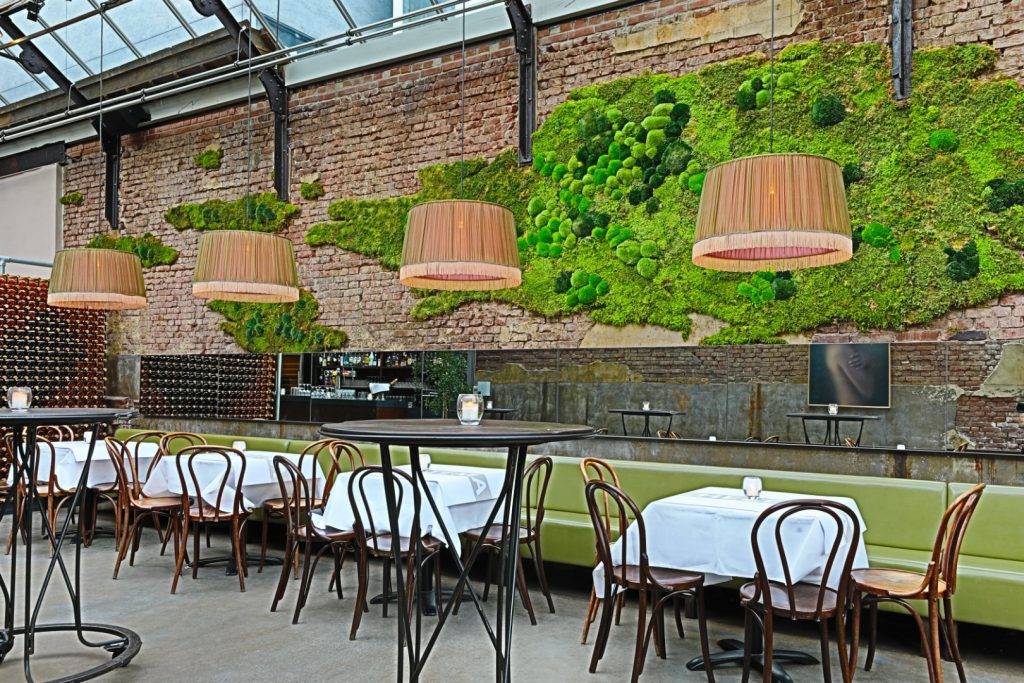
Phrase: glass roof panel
(15, 82)
(368, 11)
(297, 22)
(197, 21)
(149, 24)
(82, 37)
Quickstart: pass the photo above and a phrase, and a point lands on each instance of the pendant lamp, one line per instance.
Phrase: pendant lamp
(773, 211)
(245, 265)
(97, 279)
(460, 244)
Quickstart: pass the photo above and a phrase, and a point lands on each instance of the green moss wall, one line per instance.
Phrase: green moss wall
(927, 178)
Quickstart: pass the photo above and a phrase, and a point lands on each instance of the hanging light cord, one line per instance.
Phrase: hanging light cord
(462, 108)
(102, 150)
(248, 132)
(771, 84)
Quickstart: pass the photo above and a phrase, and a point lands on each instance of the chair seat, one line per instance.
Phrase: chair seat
(208, 513)
(493, 534)
(672, 579)
(106, 487)
(892, 583)
(43, 491)
(383, 543)
(805, 599)
(278, 504)
(321, 535)
(158, 503)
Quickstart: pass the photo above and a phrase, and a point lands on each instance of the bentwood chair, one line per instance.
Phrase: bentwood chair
(110, 491)
(170, 443)
(299, 494)
(326, 454)
(766, 599)
(214, 505)
(656, 586)
(374, 539)
(595, 469)
(937, 584)
(55, 432)
(47, 487)
(535, 488)
(135, 506)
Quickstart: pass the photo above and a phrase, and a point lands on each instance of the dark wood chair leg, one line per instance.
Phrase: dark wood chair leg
(603, 629)
(641, 630)
(618, 605)
(122, 549)
(286, 568)
(363, 581)
(826, 660)
(239, 550)
(179, 561)
(387, 588)
(952, 638)
(679, 603)
(264, 527)
(307, 576)
(542, 578)
(769, 637)
(855, 614)
(490, 571)
(872, 634)
(195, 550)
(339, 560)
(438, 598)
(591, 614)
(524, 592)
(934, 642)
(207, 535)
(748, 646)
(658, 619)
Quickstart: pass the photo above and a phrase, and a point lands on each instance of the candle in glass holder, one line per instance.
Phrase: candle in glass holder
(752, 487)
(238, 446)
(470, 409)
(19, 398)
(833, 408)
(646, 405)
(87, 437)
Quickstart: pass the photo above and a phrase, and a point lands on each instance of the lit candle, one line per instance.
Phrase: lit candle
(647, 405)
(752, 487)
(19, 398)
(833, 409)
(469, 409)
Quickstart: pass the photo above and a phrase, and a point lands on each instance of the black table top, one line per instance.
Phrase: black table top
(500, 411)
(451, 433)
(839, 416)
(61, 416)
(641, 411)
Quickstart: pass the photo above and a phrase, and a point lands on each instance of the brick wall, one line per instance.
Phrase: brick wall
(366, 135)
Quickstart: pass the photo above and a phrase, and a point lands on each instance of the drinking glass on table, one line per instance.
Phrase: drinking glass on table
(238, 446)
(752, 487)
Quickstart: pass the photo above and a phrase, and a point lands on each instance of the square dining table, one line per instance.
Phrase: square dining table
(71, 457)
(708, 530)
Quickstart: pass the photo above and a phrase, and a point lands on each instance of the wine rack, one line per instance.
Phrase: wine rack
(59, 352)
(239, 387)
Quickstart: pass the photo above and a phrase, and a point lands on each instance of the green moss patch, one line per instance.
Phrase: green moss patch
(73, 198)
(150, 249)
(312, 190)
(278, 328)
(263, 212)
(209, 159)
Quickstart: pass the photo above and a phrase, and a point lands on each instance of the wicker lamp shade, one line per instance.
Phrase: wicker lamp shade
(97, 279)
(773, 212)
(460, 244)
(244, 265)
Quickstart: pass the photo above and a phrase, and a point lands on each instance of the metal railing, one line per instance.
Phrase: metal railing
(4, 260)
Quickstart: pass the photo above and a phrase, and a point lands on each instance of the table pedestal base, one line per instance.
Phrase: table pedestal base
(734, 655)
(122, 648)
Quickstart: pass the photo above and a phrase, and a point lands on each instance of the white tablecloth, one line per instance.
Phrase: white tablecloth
(708, 531)
(70, 460)
(464, 497)
(260, 482)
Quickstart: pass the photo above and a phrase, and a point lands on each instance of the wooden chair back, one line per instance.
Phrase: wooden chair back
(604, 500)
(536, 478)
(168, 440)
(847, 530)
(595, 469)
(950, 538)
(209, 506)
(368, 526)
(296, 492)
(338, 453)
(125, 453)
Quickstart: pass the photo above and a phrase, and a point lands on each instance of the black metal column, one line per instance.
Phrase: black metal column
(273, 83)
(902, 42)
(524, 34)
(111, 144)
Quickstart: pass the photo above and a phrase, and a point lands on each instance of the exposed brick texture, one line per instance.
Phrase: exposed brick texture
(367, 134)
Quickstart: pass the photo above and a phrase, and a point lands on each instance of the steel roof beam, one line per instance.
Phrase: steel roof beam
(524, 34)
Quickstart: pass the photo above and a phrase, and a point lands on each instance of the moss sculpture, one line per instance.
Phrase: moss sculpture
(150, 249)
(263, 212)
(278, 328)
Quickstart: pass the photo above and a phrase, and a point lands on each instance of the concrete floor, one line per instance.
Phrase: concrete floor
(210, 631)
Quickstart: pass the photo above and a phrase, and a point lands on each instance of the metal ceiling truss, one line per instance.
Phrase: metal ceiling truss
(271, 78)
(116, 124)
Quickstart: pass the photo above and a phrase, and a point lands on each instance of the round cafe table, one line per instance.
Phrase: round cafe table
(120, 642)
(513, 435)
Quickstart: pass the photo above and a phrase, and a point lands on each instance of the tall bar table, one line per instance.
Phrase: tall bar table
(516, 437)
(125, 644)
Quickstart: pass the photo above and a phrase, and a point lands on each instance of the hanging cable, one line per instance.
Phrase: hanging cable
(103, 150)
(249, 210)
(462, 109)
(771, 84)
